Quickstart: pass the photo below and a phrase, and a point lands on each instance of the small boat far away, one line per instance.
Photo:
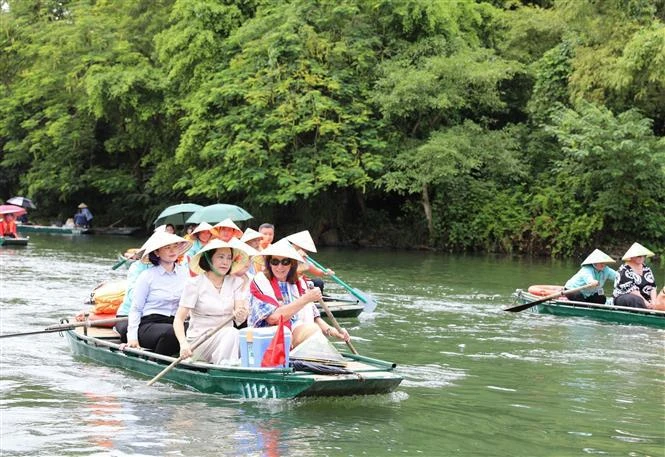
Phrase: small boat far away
(608, 313)
(14, 241)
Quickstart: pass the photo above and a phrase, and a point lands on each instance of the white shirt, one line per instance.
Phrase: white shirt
(208, 306)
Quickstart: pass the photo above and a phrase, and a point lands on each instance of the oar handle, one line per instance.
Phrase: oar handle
(120, 263)
(563, 292)
(338, 281)
(336, 324)
(197, 343)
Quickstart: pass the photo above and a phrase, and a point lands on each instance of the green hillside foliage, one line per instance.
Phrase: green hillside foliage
(462, 125)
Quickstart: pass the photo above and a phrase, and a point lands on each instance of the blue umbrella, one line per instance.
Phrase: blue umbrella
(23, 202)
(218, 212)
(177, 214)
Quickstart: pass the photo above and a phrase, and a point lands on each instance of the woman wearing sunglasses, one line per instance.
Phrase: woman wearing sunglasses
(278, 291)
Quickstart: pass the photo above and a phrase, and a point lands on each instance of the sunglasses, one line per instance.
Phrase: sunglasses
(284, 261)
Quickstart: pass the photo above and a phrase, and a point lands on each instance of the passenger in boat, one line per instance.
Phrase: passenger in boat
(156, 295)
(278, 291)
(594, 268)
(200, 237)
(253, 238)
(212, 298)
(227, 229)
(133, 273)
(267, 231)
(169, 228)
(635, 284)
(83, 216)
(8, 226)
(302, 241)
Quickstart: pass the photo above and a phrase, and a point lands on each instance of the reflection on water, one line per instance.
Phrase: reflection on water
(477, 380)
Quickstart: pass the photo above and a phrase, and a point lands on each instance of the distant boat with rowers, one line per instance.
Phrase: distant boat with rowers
(51, 229)
(607, 312)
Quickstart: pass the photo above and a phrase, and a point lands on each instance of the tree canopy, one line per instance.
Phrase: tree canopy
(509, 126)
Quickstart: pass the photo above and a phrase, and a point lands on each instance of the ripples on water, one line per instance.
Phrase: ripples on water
(477, 380)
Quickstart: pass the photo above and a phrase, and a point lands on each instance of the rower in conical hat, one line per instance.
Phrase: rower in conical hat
(302, 242)
(594, 270)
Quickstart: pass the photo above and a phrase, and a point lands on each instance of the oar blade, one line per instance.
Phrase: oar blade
(367, 300)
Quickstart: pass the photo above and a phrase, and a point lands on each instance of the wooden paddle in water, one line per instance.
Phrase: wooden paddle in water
(69, 326)
(197, 343)
(336, 324)
(370, 303)
(518, 308)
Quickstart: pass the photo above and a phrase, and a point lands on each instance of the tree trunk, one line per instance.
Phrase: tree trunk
(427, 206)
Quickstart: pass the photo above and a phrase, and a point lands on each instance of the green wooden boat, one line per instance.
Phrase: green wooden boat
(51, 229)
(608, 313)
(342, 307)
(369, 377)
(14, 241)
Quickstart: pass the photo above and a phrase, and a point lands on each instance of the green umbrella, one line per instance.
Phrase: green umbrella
(177, 214)
(218, 212)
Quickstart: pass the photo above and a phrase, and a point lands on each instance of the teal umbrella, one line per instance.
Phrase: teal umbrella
(218, 212)
(177, 214)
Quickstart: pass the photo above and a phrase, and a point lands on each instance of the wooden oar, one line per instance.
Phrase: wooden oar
(336, 324)
(69, 326)
(370, 303)
(518, 308)
(197, 343)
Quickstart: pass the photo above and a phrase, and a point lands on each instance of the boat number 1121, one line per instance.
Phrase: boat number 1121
(251, 390)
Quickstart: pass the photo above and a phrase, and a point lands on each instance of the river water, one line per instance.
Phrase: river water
(477, 381)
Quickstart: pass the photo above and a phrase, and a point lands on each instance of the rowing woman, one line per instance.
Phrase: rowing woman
(594, 268)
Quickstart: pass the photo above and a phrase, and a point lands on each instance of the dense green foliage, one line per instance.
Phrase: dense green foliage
(508, 126)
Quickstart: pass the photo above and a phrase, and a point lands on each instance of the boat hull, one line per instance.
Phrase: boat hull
(238, 382)
(51, 230)
(607, 313)
(341, 308)
(13, 241)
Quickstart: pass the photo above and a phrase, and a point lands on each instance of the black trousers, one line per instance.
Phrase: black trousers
(630, 300)
(595, 298)
(155, 333)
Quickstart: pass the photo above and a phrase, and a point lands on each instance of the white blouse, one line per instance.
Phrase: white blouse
(208, 306)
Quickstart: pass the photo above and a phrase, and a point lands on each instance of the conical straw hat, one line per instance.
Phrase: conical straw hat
(202, 227)
(250, 234)
(598, 256)
(303, 240)
(227, 223)
(241, 253)
(637, 250)
(282, 249)
(161, 239)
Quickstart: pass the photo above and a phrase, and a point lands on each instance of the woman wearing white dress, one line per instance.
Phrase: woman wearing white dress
(211, 298)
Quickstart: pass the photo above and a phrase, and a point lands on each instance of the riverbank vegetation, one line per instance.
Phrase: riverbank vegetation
(530, 126)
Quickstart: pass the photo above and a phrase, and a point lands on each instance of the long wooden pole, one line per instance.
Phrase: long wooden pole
(336, 324)
(197, 343)
(522, 307)
(69, 326)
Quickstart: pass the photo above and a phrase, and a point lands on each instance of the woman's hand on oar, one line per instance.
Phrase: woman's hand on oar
(203, 338)
(370, 303)
(336, 325)
(522, 307)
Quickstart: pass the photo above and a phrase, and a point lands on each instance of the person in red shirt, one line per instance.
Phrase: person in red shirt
(8, 226)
